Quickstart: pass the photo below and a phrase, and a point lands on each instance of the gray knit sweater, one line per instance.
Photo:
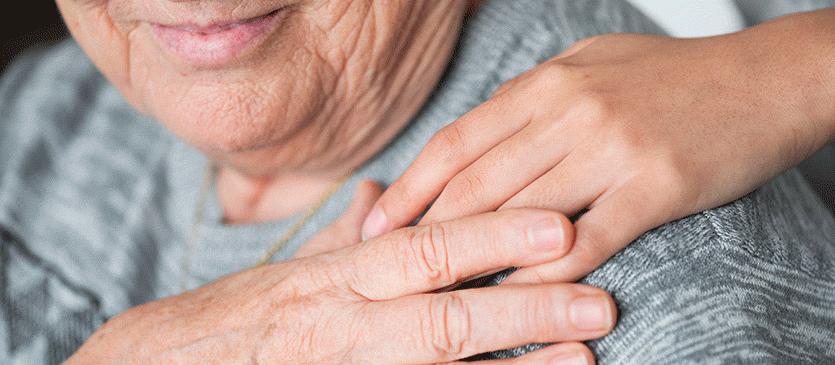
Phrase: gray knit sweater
(97, 202)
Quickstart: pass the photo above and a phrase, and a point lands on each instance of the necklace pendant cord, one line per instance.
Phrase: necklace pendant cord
(200, 210)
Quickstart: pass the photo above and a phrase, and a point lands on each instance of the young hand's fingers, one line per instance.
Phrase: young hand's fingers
(568, 188)
(501, 173)
(461, 143)
(431, 328)
(344, 231)
(447, 153)
(605, 229)
(420, 259)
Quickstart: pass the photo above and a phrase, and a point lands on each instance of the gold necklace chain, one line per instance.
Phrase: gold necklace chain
(200, 211)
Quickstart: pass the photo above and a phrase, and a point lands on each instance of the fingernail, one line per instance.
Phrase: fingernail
(592, 313)
(374, 224)
(545, 235)
(569, 359)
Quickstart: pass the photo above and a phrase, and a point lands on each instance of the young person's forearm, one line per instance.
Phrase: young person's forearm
(795, 55)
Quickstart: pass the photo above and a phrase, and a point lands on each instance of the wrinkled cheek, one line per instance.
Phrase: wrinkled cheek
(146, 72)
(107, 44)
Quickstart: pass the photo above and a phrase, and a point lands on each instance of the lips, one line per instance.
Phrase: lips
(218, 43)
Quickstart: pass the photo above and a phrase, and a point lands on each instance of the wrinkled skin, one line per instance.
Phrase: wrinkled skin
(319, 94)
(365, 303)
(636, 131)
(302, 100)
(324, 91)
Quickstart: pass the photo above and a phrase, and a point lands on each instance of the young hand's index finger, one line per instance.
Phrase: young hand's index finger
(447, 153)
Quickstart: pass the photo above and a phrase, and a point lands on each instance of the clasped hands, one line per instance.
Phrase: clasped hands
(625, 132)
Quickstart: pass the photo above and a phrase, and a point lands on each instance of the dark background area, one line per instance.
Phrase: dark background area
(28, 24)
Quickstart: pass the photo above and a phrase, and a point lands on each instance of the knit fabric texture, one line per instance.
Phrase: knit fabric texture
(97, 202)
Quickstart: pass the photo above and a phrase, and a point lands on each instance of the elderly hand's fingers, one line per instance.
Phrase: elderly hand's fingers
(604, 230)
(450, 326)
(420, 259)
(565, 353)
(346, 230)
(448, 152)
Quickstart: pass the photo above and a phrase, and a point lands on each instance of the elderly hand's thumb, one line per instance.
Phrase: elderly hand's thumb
(347, 230)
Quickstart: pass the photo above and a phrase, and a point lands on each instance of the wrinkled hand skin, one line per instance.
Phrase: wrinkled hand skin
(371, 303)
(632, 131)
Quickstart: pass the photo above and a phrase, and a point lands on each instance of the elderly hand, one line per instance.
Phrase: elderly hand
(633, 131)
(372, 303)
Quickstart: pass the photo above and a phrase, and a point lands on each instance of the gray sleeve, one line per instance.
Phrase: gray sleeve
(758, 11)
(43, 317)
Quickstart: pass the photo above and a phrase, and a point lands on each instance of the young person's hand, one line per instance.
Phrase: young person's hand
(629, 132)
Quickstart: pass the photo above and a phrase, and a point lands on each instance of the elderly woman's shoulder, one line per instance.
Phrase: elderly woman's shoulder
(51, 97)
(75, 162)
(66, 132)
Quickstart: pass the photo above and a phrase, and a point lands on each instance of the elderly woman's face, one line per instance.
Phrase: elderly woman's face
(246, 80)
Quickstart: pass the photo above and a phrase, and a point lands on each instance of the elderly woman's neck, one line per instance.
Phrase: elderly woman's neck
(247, 200)
(314, 146)
(310, 167)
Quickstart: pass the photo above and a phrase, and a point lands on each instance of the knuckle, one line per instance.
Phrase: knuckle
(683, 183)
(399, 197)
(465, 190)
(538, 317)
(591, 244)
(556, 72)
(506, 86)
(595, 106)
(666, 180)
(566, 74)
(448, 330)
(590, 114)
(544, 196)
(671, 177)
(549, 77)
(430, 253)
(448, 144)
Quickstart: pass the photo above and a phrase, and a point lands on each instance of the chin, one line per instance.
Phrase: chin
(232, 134)
(236, 117)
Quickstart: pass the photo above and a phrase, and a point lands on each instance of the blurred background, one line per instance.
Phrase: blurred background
(693, 18)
